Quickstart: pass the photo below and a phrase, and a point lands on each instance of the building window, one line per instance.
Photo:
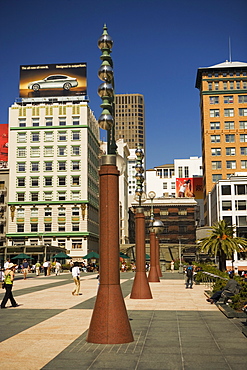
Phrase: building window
(61, 166)
(216, 177)
(61, 212)
(75, 165)
(20, 212)
(214, 100)
(21, 167)
(62, 135)
(214, 139)
(75, 150)
(21, 152)
(20, 197)
(216, 86)
(49, 136)
(48, 195)
(241, 221)
(229, 138)
(75, 195)
(34, 151)
(61, 227)
(62, 150)
(216, 151)
(180, 171)
(76, 244)
(61, 180)
(75, 226)
(226, 205)
(48, 181)
(216, 165)
(242, 99)
(164, 185)
(61, 243)
(48, 121)
(34, 196)
(231, 164)
(210, 86)
(227, 219)
(229, 125)
(244, 85)
(48, 227)
(21, 181)
(35, 122)
(182, 229)
(240, 189)
(34, 166)
(48, 151)
(214, 125)
(48, 212)
(75, 135)
(229, 112)
(231, 85)
(21, 137)
(62, 195)
(35, 136)
(186, 171)
(214, 112)
(75, 180)
(48, 166)
(20, 228)
(226, 189)
(243, 125)
(76, 121)
(62, 121)
(75, 212)
(22, 122)
(34, 228)
(228, 99)
(244, 164)
(225, 85)
(243, 150)
(240, 205)
(243, 138)
(230, 151)
(173, 185)
(34, 181)
(242, 111)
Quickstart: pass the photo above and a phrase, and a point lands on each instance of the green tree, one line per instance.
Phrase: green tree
(222, 243)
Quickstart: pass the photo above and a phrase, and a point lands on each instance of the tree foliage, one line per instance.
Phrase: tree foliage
(222, 243)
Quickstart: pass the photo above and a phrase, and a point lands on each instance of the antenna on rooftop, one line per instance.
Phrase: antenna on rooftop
(230, 50)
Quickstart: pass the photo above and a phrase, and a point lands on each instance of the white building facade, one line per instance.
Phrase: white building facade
(53, 161)
(228, 201)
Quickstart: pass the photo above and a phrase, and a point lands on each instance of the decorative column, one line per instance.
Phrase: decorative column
(109, 323)
(140, 288)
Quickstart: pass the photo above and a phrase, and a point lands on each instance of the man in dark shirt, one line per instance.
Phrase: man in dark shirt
(232, 287)
(25, 268)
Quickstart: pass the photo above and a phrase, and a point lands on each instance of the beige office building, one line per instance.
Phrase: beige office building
(130, 119)
(223, 105)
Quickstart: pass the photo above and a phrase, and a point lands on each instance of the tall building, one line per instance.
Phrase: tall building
(130, 119)
(53, 182)
(223, 104)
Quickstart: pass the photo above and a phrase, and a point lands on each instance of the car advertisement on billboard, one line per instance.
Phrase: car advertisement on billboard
(46, 80)
(189, 187)
(4, 145)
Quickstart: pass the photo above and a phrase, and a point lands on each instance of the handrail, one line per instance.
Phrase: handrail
(209, 279)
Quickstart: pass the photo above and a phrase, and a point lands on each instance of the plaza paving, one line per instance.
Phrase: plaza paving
(176, 330)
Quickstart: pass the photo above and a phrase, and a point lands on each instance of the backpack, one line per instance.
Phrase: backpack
(189, 271)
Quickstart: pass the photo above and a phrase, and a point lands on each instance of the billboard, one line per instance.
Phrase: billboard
(4, 145)
(189, 187)
(46, 80)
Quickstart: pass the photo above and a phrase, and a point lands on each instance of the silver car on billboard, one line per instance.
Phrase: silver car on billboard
(54, 82)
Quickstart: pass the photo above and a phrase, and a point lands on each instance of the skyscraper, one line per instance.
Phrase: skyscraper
(223, 104)
(130, 119)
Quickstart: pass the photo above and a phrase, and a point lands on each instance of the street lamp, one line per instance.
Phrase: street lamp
(156, 227)
(109, 323)
(140, 288)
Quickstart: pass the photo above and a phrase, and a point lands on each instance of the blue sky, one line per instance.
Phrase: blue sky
(158, 47)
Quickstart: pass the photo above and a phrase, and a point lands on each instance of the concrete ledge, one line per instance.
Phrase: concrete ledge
(229, 312)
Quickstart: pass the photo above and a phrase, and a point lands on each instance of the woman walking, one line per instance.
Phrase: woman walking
(8, 284)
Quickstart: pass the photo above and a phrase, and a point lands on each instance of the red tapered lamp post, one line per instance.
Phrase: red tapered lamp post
(109, 323)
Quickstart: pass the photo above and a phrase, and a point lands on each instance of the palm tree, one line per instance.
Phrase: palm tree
(222, 243)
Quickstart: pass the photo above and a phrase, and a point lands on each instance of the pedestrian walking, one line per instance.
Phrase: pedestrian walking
(76, 277)
(6, 264)
(58, 268)
(9, 276)
(45, 266)
(172, 266)
(189, 275)
(37, 268)
(25, 268)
